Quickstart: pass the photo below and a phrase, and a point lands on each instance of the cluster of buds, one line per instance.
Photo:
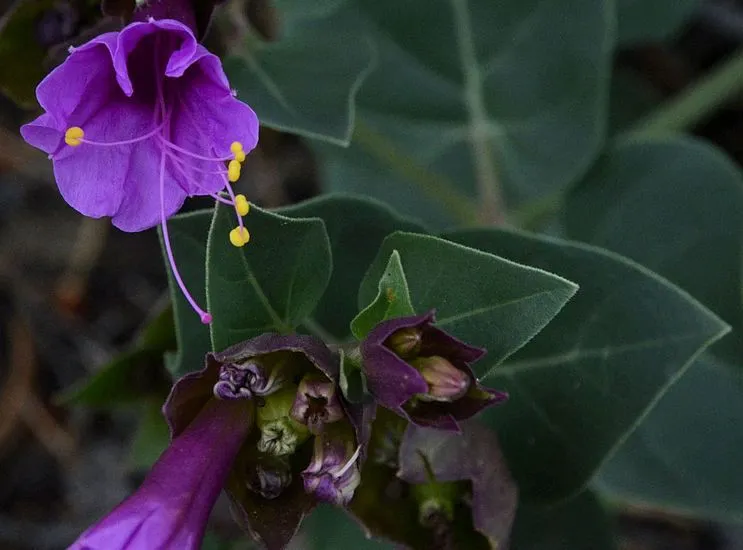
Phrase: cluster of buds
(423, 374)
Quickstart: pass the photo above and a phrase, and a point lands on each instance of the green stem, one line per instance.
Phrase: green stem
(698, 102)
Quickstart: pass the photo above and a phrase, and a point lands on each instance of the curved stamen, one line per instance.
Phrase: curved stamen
(126, 141)
(177, 163)
(192, 155)
(350, 462)
(192, 166)
(206, 318)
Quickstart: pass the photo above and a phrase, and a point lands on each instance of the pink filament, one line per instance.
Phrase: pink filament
(126, 141)
(206, 318)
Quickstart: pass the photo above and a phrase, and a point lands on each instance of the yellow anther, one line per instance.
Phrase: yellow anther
(239, 237)
(240, 156)
(73, 136)
(233, 171)
(242, 205)
(236, 147)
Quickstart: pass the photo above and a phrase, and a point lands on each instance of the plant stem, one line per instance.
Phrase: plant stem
(491, 201)
(697, 103)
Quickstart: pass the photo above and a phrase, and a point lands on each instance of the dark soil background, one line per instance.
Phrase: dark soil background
(73, 292)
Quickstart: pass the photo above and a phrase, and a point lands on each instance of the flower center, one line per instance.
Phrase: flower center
(185, 163)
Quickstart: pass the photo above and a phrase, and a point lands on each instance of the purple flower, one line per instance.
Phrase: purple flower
(172, 506)
(136, 121)
(424, 374)
(283, 469)
(333, 473)
(316, 403)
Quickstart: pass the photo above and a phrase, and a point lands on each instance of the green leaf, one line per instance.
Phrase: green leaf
(482, 95)
(356, 227)
(392, 300)
(158, 331)
(651, 20)
(271, 284)
(131, 376)
(330, 528)
(352, 380)
(685, 457)
(677, 207)
(150, 439)
(484, 300)
(581, 386)
(188, 237)
(306, 82)
(579, 524)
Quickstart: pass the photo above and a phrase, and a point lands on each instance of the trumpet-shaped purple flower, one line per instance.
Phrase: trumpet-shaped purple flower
(136, 121)
(171, 508)
(423, 374)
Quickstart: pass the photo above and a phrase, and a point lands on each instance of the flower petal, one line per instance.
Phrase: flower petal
(474, 455)
(206, 117)
(172, 506)
(178, 46)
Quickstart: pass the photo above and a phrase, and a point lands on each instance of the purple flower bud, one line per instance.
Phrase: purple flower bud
(333, 473)
(171, 507)
(445, 381)
(270, 477)
(406, 342)
(316, 403)
(243, 381)
(438, 387)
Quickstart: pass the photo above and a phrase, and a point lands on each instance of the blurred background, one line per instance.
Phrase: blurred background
(74, 291)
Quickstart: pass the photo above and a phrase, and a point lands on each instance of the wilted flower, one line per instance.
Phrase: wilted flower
(333, 473)
(316, 402)
(172, 506)
(446, 491)
(282, 469)
(245, 380)
(424, 374)
(136, 121)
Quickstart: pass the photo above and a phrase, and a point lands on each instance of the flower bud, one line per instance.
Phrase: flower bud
(316, 403)
(437, 386)
(333, 473)
(270, 476)
(243, 381)
(406, 342)
(280, 434)
(445, 381)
